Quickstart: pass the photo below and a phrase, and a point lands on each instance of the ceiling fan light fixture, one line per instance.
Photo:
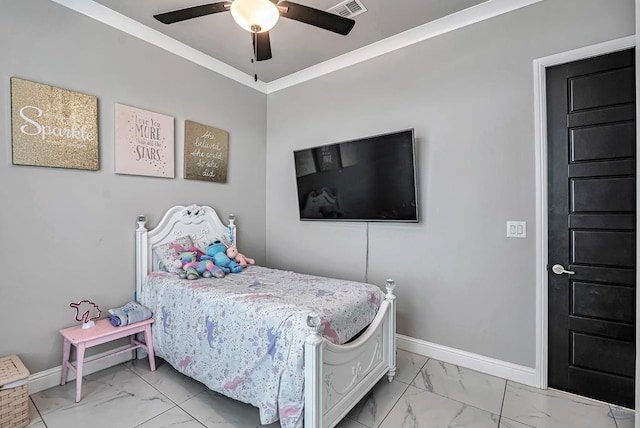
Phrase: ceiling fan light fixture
(255, 16)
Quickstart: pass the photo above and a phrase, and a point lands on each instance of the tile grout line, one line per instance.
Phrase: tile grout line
(613, 416)
(198, 420)
(159, 414)
(504, 395)
(193, 417)
(394, 404)
(410, 383)
(156, 389)
(175, 404)
(454, 399)
(37, 410)
(399, 398)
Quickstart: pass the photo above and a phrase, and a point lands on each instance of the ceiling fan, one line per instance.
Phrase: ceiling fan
(260, 16)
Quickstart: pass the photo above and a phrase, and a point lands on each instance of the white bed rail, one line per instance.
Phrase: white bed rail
(338, 376)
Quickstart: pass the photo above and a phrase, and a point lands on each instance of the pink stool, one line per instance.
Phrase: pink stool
(102, 332)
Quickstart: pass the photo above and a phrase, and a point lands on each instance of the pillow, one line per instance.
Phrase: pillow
(167, 254)
(157, 266)
(201, 243)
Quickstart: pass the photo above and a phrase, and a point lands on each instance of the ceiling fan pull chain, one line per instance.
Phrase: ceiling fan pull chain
(254, 60)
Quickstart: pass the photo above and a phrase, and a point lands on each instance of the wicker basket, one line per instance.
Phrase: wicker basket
(14, 393)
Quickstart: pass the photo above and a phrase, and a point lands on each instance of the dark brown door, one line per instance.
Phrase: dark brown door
(592, 227)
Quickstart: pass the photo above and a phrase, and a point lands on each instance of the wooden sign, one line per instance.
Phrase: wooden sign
(205, 152)
(53, 127)
(144, 142)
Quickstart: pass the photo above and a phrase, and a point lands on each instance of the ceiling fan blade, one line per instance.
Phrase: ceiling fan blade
(261, 46)
(316, 17)
(192, 12)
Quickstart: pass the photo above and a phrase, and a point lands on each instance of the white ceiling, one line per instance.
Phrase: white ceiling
(217, 42)
(295, 45)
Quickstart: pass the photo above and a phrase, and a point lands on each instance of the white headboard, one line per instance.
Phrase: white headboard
(200, 222)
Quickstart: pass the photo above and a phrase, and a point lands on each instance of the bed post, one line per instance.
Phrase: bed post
(391, 349)
(142, 257)
(313, 374)
(232, 230)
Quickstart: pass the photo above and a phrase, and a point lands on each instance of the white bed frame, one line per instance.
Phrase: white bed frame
(336, 376)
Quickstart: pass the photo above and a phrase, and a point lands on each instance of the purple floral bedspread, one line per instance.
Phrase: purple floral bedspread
(243, 336)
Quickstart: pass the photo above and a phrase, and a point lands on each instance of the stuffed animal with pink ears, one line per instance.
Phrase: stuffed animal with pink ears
(193, 268)
(241, 259)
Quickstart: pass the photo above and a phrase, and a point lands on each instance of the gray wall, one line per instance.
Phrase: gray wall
(469, 96)
(68, 234)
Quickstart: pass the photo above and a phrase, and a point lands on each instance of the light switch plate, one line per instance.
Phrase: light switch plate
(516, 229)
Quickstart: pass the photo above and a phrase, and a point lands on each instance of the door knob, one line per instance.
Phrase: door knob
(559, 270)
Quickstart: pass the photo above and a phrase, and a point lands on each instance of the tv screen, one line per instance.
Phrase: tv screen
(368, 179)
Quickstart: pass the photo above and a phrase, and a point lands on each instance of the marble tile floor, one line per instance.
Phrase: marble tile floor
(425, 394)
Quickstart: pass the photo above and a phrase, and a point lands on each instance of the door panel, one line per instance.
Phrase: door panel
(597, 327)
(607, 141)
(602, 221)
(604, 274)
(599, 169)
(592, 226)
(602, 194)
(615, 249)
(592, 382)
(602, 89)
(602, 116)
(609, 302)
(602, 354)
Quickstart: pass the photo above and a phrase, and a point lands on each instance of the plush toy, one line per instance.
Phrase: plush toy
(241, 259)
(216, 251)
(197, 251)
(192, 268)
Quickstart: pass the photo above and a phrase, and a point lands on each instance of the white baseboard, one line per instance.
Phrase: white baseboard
(521, 374)
(502, 369)
(49, 378)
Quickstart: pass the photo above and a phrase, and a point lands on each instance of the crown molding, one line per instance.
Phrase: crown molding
(463, 18)
(134, 28)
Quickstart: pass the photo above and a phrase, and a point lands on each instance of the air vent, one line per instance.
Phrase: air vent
(348, 8)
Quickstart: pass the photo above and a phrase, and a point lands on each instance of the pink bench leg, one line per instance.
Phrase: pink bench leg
(66, 350)
(79, 363)
(132, 343)
(149, 342)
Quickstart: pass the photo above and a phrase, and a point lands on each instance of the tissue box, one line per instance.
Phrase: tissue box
(14, 393)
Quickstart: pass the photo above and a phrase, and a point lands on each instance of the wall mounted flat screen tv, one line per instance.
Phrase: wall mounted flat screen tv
(368, 179)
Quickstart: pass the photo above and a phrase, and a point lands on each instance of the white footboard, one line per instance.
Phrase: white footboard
(338, 376)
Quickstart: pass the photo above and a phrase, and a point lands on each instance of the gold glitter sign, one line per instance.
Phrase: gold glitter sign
(205, 152)
(53, 127)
